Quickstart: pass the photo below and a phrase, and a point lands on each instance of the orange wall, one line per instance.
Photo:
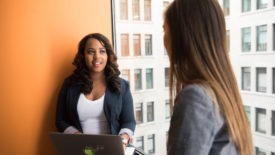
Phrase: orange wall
(38, 40)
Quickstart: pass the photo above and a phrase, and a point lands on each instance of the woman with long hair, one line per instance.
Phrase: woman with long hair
(208, 114)
(94, 100)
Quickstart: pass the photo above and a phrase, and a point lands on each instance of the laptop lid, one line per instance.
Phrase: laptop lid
(85, 144)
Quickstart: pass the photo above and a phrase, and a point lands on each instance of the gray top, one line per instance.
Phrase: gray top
(196, 127)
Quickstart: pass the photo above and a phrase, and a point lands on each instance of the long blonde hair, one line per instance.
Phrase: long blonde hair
(199, 54)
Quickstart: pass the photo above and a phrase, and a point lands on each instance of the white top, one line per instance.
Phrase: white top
(91, 115)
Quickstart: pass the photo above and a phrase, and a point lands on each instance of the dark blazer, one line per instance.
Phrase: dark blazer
(118, 108)
(197, 128)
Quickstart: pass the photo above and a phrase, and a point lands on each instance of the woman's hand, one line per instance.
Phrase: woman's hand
(125, 140)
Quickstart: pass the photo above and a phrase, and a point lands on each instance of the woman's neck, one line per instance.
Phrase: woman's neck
(98, 77)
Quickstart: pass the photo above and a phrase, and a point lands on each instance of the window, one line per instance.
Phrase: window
(151, 143)
(139, 113)
(136, 42)
(149, 78)
(125, 74)
(165, 4)
(261, 4)
(150, 111)
(247, 111)
(167, 109)
(246, 5)
(261, 79)
(260, 120)
(166, 77)
(140, 142)
(246, 39)
(123, 9)
(273, 80)
(273, 122)
(274, 36)
(245, 78)
(228, 39)
(138, 81)
(147, 10)
(148, 44)
(226, 6)
(259, 151)
(124, 44)
(136, 15)
(261, 37)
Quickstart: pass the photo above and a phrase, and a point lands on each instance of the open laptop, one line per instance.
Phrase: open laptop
(84, 144)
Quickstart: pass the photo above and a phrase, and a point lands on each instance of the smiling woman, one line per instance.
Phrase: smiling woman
(94, 100)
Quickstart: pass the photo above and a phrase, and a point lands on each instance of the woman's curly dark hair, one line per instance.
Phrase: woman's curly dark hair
(81, 74)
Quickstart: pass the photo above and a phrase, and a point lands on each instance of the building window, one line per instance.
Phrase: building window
(166, 77)
(136, 42)
(150, 111)
(136, 15)
(274, 36)
(273, 122)
(123, 9)
(261, 37)
(124, 44)
(125, 74)
(260, 151)
(273, 80)
(138, 81)
(165, 4)
(139, 113)
(261, 80)
(228, 39)
(261, 4)
(140, 142)
(167, 109)
(245, 78)
(246, 5)
(226, 7)
(247, 111)
(147, 10)
(149, 78)
(151, 143)
(261, 120)
(148, 44)
(246, 39)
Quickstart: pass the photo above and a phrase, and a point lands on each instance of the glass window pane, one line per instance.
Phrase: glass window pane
(273, 80)
(138, 81)
(247, 111)
(151, 143)
(136, 15)
(139, 113)
(260, 151)
(261, 38)
(226, 7)
(246, 39)
(273, 122)
(149, 78)
(124, 9)
(261, 79)
(147, 10)
(140, 142)
(148, 44)
(150, 111)
(125, 74)
(261, 120)
(261, 4)
(245, 78)
(124, 44)
(166, 77)
(246, 5)
(136, 42)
